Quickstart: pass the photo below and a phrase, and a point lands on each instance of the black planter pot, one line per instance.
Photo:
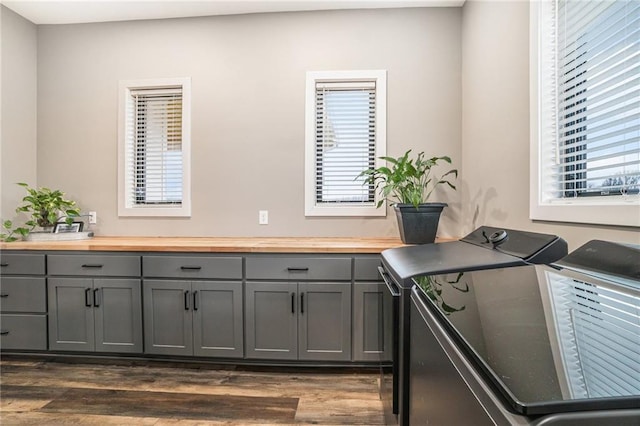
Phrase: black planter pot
(418, 225)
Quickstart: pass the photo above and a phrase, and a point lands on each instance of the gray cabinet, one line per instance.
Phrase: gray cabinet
(295, 317)
(90, 312)
(290, 306)
(102, 315)
(167, 317)
(272, 320)
(202, 316)
(372, 319)
(324, 321)
(217, 319)
(23, 305)
(306, 321)
(298, 268)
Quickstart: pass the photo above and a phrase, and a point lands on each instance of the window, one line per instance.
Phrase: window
(154, 148)
(586, 111)
(345, 135)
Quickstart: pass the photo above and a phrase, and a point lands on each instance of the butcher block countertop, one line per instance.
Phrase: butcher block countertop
(215, 245)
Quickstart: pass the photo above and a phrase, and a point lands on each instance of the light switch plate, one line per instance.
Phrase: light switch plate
(263, 217)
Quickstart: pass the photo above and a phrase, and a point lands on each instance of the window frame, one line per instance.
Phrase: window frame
(602, 210)
(312, 208)
(125, 208)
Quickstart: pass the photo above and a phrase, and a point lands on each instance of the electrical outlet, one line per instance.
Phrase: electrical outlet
(93, 217)
(263, 217)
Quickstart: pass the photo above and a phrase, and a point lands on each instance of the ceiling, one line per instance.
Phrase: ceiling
(83, 11)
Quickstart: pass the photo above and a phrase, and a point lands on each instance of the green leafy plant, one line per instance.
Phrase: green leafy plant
(45, 206)
(408, 180)
(432, 287)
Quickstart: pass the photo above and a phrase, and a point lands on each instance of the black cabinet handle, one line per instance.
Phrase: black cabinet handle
(191, 268)
(92, 265)
(302, 303)
(3, 295)
(195, 300)
(87, 302)
(4, 265)
(96, 297)
(4, 332)
(298, 269)
(186, 300)
(293, 303)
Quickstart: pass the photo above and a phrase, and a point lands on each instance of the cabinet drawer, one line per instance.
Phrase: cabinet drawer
(23, 332)
(94, 265)
(192, 267)
(23, 294)
(299, 268)
(21, 264)
(366, 268)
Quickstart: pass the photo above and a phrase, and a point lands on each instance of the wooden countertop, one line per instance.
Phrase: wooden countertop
(215, 245)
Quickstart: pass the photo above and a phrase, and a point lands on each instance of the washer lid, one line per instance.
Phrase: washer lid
(548, 339)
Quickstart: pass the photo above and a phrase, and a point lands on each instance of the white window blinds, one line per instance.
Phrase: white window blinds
(597, 60)
(345, 141)
(597, 327)
(155, 146)
(345, 134)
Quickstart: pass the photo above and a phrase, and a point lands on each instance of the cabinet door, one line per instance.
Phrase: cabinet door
(71, 314)
(118, 315)
(372, 318)
(271, 325)
(324, 321)
(217, 318)
(167, 317)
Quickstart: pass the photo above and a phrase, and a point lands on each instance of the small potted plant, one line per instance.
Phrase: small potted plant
(46, 207)
(407, 183)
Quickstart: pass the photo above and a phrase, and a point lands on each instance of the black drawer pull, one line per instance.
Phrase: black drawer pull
(3, 333)
(298, 269)
(87, 302)
(302, 303)
(3, 295)
(186, 300)
(191, 268)
(293, 303)
(92, 265)
(96, 297)
(4, 265)
(195, 300)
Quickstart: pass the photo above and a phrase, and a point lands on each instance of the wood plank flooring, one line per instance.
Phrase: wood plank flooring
(46, 392)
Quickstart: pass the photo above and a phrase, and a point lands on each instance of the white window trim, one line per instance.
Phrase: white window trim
(623, 211)
(380, 77)
(124, 92)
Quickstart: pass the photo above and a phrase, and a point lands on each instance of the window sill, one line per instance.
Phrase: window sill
(618, 213)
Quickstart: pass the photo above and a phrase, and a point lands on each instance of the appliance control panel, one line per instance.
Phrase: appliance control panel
(529, 246)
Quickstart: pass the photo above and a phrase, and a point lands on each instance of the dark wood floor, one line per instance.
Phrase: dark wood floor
(45, 392)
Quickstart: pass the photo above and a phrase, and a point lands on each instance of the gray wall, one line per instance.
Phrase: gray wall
(458, 85)
(248, 83)
(18, 48)
(495, 125)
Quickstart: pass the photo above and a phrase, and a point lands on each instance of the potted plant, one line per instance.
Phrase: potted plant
(46, 207)
(407, 183)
